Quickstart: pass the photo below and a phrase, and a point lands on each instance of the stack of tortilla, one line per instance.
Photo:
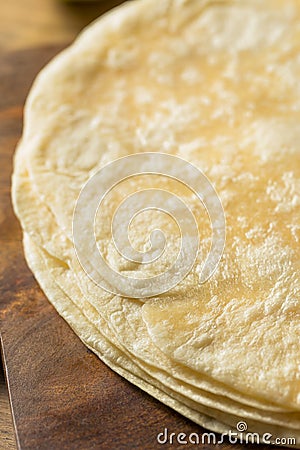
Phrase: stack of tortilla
(217, 84)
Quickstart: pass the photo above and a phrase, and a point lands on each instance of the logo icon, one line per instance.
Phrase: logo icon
(106, 179)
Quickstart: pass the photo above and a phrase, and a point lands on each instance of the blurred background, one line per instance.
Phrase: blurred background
(29, 23)
(25, 25)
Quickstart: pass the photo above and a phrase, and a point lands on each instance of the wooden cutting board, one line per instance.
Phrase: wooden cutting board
(62, 396)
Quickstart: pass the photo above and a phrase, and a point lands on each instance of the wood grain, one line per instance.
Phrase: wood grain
(7, 437)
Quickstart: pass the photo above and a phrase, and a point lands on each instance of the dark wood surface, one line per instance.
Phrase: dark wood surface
(7, 435)
(62, 395)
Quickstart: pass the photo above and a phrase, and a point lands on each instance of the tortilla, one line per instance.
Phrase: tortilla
(205, 398)
(216, 84)
(48, 270)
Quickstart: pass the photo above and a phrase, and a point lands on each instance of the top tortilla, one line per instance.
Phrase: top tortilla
(217, 84)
